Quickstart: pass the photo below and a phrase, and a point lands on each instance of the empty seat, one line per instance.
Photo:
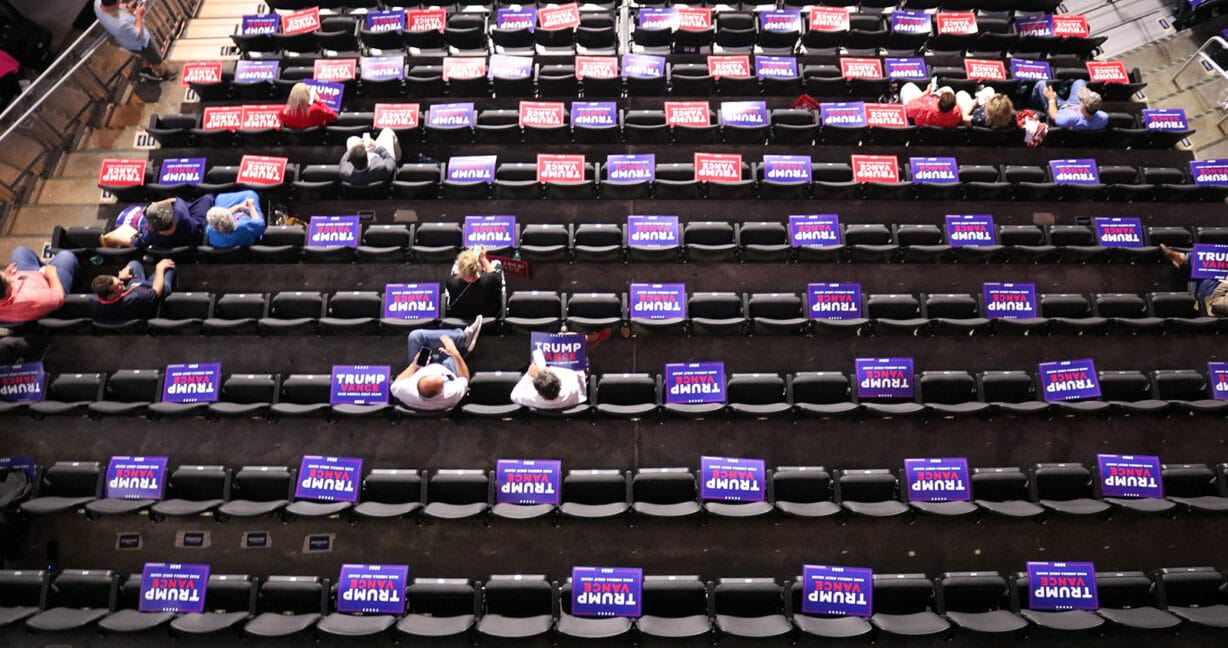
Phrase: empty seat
(1128, 600)
(65, 485)
(128, 391)
(192, 490)
(1196, 595)
(128, 618)
(979, 602)
(1003, 491)
(905, 605)
(664, 492)
(516, 607)
(75, 599)
(822, 393)
(1065, 488)
(594, 494)
(287, 606)
(438, 608)
(777, 313)
(1195, 487)
(872, 492)
(716, 313)
(228, 602)
(803, 491)
(950, 393)
(457, 494)
(749, 610)
(21, 594)
(259, 490)
(675, 609)
(627, 395)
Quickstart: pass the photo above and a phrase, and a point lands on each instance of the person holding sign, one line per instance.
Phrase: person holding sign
(305, 109)
(367, 161)
(168, 223)
(130, 295)
(549, 388)
(1212, 294)
(30, 290)
(437, 376)
(235, 220)
(941, 107)
(475, 287)
(1084, 114)
(126, 24)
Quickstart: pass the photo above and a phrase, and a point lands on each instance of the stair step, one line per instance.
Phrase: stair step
(231, 8)
(84, 165)
(34, 220)
(198, 28)
(69, 191)
(121, 138)
(203, 49)
(1134, 34)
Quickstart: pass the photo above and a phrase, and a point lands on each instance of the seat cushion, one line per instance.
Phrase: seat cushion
(420, 625)
(249, 508)
(1212, 616)
(208, 622)
(522, 511)
(1142, 504)
(1068, 621)
(917, 624)
(738, 509)
(832, 627)
(61, 619)
(585, 628)
(1011, 508)
(754, 627)
(134, 621)
(993, 622)
(497, 625)
(1082, 506)
(10, 615)
(674, 627)
(350, 625)
(888, 508)
(679, 509)
(447, 511)
(592, 511)
(382, 511)
(271, 624)
(181, 507)
(316, 509)
(1140, 618)
(115, 506)
(50, 505)
(945, 508)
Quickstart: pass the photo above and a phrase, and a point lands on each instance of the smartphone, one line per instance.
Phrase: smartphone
(424, 356)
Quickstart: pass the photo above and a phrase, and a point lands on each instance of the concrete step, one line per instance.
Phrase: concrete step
(70, 191)
(1106, 15)
(198, 28)
(1131, 35)
(83, 165)
(39, 220)
(203, 49)
(129, 137)
(231, 8)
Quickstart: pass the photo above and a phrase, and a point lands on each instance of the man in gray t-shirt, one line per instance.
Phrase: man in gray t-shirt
(368, 161)
(125, 22)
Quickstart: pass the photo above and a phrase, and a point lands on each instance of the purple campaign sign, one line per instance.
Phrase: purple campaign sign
(834, 301)
(491, 231)
(192, 383)
(780, 20)
(1069, 380)
(22, 382)
(328, 479)
(136, 477)
(934, 170)
(411, 301)
(1119, 232)
(359, 385)
(906, 69)
(1208, 261)
(657, 18)
(658, 301)
(1062, 586)
(372, 589)
(380, 68)
(171, 587)
(1165, 119)
(1130, 476)
(514, 19)
(851, 113)
(249, 71)
(260, 24)
(594, 113)
(385, 21)
(1209, 172)
(772, 67)
(1074, 172)
(133, 216)
(837, 591)
(560, 349)
(641, 167)
(24, 463)
(904, 21)
(652, 231)
(453, 114)
(787, 168)
(884, 378)
(695, 382)
(528, 481)
(938, 480)
(1010, 300)
(971, 230)
(472, 168)
(182, 171)
(815, 230)
(510, 67)
(1034, 25)
(334, 231)
(330, 92)
(731, 479)
(643, 66)
(744, 113)
(1218, 374)
(1026, 70)
(606, 591)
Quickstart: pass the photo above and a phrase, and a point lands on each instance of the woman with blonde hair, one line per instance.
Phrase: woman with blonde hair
(305, 109)
(475, 287)
(990, 110)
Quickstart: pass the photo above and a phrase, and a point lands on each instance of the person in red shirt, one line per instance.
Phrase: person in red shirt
(30, 290)
(305, 109)
(932, 107)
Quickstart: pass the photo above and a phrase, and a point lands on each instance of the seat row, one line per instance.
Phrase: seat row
(362, 6)
(807, 394)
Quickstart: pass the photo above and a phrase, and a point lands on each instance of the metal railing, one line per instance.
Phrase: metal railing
(1206, 55)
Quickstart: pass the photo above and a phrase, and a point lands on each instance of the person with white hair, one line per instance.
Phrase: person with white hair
(235, 220)
(1078, 110)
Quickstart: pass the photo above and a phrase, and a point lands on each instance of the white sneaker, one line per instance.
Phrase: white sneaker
(471, 334)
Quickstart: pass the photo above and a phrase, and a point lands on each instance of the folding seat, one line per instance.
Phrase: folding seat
(1003, 491)
(1029, 183)
(954, 313)
(1127, 312)
(834, 181)
(758, 395)
(172, 131)
(229, 601)
(675, 611)
(725, 190)
(1131, 392)
(1195, 487)
(793, 125)
(390, 493)
(21, 594)
(780, 189)
(585, 189)
(534, 310)
(517, 606)
(596, 34)
(1076, 243)
(193, 490)
(1195, 594)
(437, 242)
(822, 393)
(921, 242)
(354, 124)
(457, 494)
(1064, 623)
(69, 394)
(1065, 488)
(595, 494)
(1011, 392)
(65, 485)
(439, 609)
(259, 490)
(545, 243)
(691, 80)
(1068, 313)
(735, 32)
(388, 42)
(803, 491)
(664, 493)
(258, 90)
(594, 311)
(237, 313)
(709, 134)
(76, 598)
(415, 181)
(622, 189)
(1185, 389)
(384, 244)
(128, 391)
(338, 34)
(1128, 600)
(280, 244)
(994, 36)
(465, 33)
(979, 602)
(676, 181)
(73, 316)
(748, 611)
(717, 313)
(127, 619)
(841, 135)
(352, 312)
(905, 605)
(490, 395)
(517, 181)
(821, 43)
(636, 86)
(303, 395)
(550, 135)
(246, 395)
(296, 45)
(896, 314)
(627, 395)
(498, 127)
(597, 87)
(763, 241)
(568, 626)
(1171, 184)
(834, 628)
(870, 493)
(982, 182)
(1025, 243)
(777, 313)
(294, 72)
(291, 312)
(950, 393)
(870, 242)
(287, 606)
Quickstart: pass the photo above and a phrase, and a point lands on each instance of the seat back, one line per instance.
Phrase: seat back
(974, 592)
(392, 486)
(292, 595)
(999, 484)
(519, 596)
(83, 588)
(199, 483)
(1061, 481)
(72, 479)
(748, 597)
(903, 593)
(459, 487)
(674, 596)
(441, 597)
(801, 484)
(871, 485)
(594, 487)
(663, 486)
(263, 483)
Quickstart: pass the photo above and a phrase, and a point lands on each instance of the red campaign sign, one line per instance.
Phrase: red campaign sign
(1070, 25)
(261, 170)
(560, 168)
(956, 22)
(718, 167)
(512, 267)
(886, 115)
(729, 66)
(829, 19)
(560, 17)
(262, 116)
(334, 69)
(694, 18)
(396, 115)
(300, 22)
(687, 113)
(424, 20)
(806, 102)
(542, 114)
(464, 67)
(980, 69)
(598, 67)
(202, 72)
(222, 118)
(1108, 71)
(122, 173)
(875, 168)
(861, 68)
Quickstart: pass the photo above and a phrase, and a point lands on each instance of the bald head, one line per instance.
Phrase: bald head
(430, 386)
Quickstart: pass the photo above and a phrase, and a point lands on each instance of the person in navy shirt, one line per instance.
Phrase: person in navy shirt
(169, 223)
(130, 295)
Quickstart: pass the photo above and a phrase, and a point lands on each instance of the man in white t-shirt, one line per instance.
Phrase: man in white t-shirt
(437, 377)
(550, 388)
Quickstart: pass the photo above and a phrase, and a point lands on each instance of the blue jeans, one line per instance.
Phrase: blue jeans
(64, 262)
(139, 278)
(1039, 102)
(423, 338)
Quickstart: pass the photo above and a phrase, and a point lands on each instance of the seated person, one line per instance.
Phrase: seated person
(1212, 294)
(550, 388)
(130, 295)
(934, 106)
(991, 110)
(235, 220)
(437, 376)
(368, 161)
(1078, 110)
(475, 287)
(168, 223)
(29, 289)
(305, 109)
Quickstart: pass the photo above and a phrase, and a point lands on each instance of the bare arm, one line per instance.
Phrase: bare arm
(1051, 102)
(53, 278)
(409, 371)
(449, 347)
